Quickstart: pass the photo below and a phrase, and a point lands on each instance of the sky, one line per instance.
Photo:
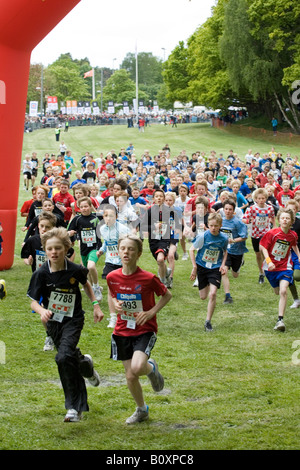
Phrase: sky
(105, 31)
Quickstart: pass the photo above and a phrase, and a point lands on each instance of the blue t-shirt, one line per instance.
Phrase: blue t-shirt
(210, 249)
(235, 228)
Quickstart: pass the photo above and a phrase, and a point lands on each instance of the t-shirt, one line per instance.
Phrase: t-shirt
(235, 228)
(86, 228)
(137, 291)
(111, 237)
(279, 246)
(210, 249)
(60, 290)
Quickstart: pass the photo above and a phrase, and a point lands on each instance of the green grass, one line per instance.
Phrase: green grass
(236, 388)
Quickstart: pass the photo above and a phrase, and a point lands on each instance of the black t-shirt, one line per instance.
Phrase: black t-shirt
(59, 290)
(296, 228)
(85, 226)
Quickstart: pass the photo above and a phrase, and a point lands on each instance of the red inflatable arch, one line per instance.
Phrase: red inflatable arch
(23, 24)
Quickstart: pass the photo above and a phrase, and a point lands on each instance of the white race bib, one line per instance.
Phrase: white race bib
(210, 257)
(40, 258)
(88, 237)
(61, 304)
(280, 250)
(132, 303)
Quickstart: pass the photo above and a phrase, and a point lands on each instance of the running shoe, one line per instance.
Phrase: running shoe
(228, 300)
(261, 279)
(176, 255)
(156, 379)
(73, 416)
(87, 370)
(296, 304)
(280, 326)
(138, 416)
(98, 293)
(185, 257)
(3, 292)
(49, 344)
(112, 321)
(196, 283)
(207, 326)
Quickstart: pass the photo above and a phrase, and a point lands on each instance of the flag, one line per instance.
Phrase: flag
(88, 74)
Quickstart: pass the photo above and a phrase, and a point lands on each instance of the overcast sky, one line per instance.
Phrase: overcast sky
(105, 31)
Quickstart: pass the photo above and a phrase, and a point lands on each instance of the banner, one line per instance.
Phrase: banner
(69, 107)
(52, 104)
(125, 107)
(74, 107)
(33, 108)
(111, 107)
(80, 107)
(96, 109)
(87, 107)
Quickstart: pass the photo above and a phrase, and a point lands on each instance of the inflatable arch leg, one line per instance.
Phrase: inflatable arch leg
(23, 24)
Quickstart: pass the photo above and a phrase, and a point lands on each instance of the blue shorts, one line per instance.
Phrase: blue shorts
(295, 260)
(274, 277)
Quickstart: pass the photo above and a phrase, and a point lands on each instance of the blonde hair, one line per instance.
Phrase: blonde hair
(57, 232)
(215, 216)
(134, 238)
(259, 191)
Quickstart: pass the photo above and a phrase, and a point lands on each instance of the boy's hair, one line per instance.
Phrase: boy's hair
(149, 179)
(231, 202)
(85, 199)
(83, 187)
(48, 216)
(236, 182)
(124, 194)
(159, 191)
(173, 195)
(283, 210)
(66, 182)
(44, 188)
(201, 183)
(58, 232)
(110, 207)
(183, 186)
(258, 192)
(215, 216)
(134, 238)
(202, 200)
(47, 199)
(293, 202)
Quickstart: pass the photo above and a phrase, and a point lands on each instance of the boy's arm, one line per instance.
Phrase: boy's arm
(193, 260)
(223, 267)
(143, 317)
(44, 313)
(271, 266)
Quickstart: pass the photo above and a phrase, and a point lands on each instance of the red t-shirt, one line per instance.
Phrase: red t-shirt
(283, 197)
(279, 245)
(138, 292)
(64, 200)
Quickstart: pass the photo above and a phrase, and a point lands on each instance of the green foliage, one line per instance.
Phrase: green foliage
(119, 87)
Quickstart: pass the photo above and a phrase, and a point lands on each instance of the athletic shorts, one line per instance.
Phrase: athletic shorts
(235, 262)
(108, 268)
(295, 260)
(208, 276)
(174, 241)
(159, 246)
(92, 256)
(28, 174)
(274, 277)
(123, 347)
(255, 244)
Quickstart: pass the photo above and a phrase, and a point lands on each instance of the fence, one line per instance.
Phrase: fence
(257, 133)
(107, 121)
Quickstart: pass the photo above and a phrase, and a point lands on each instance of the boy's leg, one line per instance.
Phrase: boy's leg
(162, 269)
(135, 367)
(283, 289)
(212, 301)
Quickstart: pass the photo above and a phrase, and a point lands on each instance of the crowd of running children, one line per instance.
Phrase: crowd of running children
(110, 205)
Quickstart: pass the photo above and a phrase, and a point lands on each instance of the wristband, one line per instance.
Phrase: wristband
(268, 260)
(95, 302)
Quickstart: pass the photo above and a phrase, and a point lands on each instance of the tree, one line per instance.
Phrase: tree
(63, 79)
(120, 87)
(175, 74)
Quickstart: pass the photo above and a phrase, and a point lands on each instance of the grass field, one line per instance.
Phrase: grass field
(235, 388)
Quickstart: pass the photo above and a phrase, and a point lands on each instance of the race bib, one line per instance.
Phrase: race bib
(40, 258)
(280, 249)
(112, 250)
(210, 257)
(132, 303)
(62, 304)
(88, 237)
(262, 221)
(37, 211)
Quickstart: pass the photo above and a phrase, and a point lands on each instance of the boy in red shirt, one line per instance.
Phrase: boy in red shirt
(276, 247)
(286, 194)
(63, 200)
(133, 291)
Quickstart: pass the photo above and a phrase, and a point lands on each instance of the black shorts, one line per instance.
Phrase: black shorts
(208, 276)
(159, 246)
(34, 172)
(123, 347)
(28, 174)
(174, 241)
(108, 268)
(255, 244)
(234, 262)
